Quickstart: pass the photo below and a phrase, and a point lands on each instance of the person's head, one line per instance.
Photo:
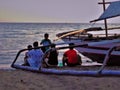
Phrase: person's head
(53, 45)
(46, 35)
(29, 47)
(71, 44)
(35, 44)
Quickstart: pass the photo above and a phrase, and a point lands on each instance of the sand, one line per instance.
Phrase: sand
(26, 80)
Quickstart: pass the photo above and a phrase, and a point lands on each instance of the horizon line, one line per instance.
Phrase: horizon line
(57, 22)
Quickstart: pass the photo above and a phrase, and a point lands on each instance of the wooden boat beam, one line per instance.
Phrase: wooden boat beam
(105, 2)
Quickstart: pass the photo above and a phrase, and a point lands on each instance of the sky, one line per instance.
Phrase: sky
(54, 11)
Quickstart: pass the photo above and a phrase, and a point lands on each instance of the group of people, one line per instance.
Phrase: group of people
(48, 54)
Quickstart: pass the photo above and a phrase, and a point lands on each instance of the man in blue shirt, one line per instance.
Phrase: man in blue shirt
(36, 56)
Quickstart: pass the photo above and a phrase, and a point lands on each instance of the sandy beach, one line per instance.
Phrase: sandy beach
(26, 80)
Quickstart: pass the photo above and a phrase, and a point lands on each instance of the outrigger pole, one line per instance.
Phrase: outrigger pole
(105, 20)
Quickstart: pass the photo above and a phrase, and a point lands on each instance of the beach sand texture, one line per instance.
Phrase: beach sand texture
(26, 80)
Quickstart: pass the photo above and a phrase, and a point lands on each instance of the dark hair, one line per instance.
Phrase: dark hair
(35, 44)
(53, 45)
(46, 35)
(71, 44)
(29, 47)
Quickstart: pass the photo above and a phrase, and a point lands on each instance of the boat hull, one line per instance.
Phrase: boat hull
(98, 55)
(114, 60)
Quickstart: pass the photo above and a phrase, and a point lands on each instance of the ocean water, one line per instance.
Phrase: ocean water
(16, 36)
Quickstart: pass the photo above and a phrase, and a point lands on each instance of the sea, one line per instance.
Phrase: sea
(16, 36)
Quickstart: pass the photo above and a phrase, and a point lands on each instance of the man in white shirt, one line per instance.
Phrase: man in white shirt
(36, 56)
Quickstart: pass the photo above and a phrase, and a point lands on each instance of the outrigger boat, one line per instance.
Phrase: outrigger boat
(94, 73)
(97, 46)
(107, 51)
(87, 35)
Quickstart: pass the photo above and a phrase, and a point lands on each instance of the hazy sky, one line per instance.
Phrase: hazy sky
(50, 10)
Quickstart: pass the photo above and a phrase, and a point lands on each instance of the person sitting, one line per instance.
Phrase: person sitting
(70, 57)
(51, 58)
(26, 58)
(46, 41)
(36, 56)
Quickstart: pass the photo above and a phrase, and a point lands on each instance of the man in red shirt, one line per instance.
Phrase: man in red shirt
(70, 57)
